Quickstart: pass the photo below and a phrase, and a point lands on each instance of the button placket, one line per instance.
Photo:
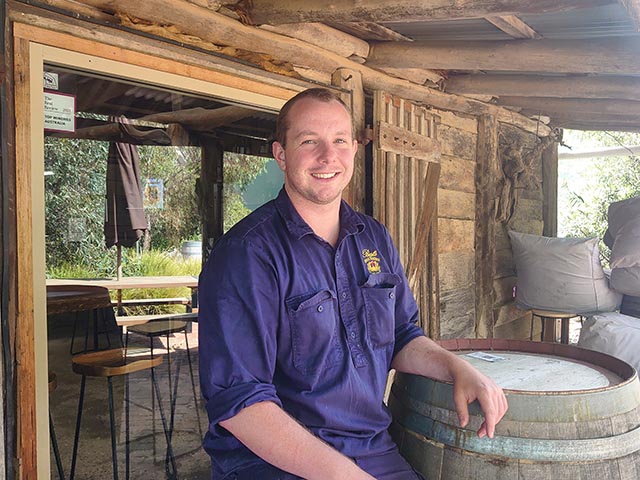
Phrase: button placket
(348, 314)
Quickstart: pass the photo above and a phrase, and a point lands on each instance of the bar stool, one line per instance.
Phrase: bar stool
(53, 384)
(165, 327)
(545, 315)
(111, 363)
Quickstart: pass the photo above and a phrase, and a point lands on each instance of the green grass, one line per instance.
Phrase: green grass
(149, 264)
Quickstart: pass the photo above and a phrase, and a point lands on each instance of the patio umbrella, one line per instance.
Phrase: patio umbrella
(125, 220)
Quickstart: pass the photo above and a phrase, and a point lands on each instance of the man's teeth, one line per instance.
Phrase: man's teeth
(324, 175)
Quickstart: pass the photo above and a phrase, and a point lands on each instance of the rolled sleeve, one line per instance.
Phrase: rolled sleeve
(237, 330)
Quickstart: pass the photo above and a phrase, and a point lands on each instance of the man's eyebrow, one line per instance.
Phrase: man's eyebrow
(307, 133)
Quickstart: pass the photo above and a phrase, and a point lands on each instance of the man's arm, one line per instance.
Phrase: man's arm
(422, 356)
(281, 441)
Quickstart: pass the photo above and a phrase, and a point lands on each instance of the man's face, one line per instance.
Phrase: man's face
(318, 158)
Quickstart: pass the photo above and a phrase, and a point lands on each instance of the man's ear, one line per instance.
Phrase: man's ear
(278, 154)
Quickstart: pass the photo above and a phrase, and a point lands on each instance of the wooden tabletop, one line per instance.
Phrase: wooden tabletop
(126, 283)
(76, 298)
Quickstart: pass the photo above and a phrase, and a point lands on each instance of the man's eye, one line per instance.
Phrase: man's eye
(308, 142)
(341, 140)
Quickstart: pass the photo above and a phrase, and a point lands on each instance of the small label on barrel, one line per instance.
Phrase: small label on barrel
(487, 357)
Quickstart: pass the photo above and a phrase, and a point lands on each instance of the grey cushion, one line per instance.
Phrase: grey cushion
(624, 229)
(561, 274)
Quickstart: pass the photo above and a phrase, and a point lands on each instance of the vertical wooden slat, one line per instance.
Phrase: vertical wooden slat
(550, 190)
(24, 319)
(399, 199)
(487, 171)
(351, 80)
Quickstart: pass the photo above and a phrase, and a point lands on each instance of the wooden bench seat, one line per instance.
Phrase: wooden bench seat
(131, 320)
(142, 302)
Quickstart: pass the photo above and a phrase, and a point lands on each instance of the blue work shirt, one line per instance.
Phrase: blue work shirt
(286, 318)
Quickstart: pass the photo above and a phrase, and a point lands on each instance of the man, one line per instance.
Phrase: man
(304, 308)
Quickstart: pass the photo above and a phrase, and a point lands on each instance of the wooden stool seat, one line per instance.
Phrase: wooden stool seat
(110, 363)
(159, 328)
(564, 318)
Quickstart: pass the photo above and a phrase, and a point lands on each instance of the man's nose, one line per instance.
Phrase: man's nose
(328, 153)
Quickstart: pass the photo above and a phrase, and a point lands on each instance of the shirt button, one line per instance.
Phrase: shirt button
(320, 308)
(392, 295)
(344, 294)
(353, 334)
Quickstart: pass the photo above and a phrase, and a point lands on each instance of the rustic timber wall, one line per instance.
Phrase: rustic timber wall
(527, 217)
(456, 219)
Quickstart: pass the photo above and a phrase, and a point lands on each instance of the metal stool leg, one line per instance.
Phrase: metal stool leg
(193, 383)
(173, 473)
(77, 432)
(56, 451)
(112, 425)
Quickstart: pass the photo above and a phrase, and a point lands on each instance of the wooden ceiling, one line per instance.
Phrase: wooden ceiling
(568, 63)
(572, 63)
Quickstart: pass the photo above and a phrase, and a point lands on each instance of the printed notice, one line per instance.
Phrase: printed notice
(59, 112)
(487, 357)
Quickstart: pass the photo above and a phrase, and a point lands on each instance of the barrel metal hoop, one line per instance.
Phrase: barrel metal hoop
(551, 450)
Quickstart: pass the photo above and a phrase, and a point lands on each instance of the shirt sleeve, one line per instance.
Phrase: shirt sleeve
(237, 322)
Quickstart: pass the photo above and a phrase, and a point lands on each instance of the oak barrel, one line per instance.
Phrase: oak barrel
(573, 413)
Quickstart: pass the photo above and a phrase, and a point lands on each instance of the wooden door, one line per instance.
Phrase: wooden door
(406, 167)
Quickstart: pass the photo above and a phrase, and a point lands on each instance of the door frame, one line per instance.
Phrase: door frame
(33, 48)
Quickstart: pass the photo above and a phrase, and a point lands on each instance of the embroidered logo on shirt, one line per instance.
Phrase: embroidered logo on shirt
(372, 260)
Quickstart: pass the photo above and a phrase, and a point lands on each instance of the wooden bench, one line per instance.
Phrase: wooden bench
(142, 302)
(125, 321)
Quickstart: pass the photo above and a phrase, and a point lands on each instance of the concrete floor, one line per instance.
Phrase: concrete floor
(148, 445)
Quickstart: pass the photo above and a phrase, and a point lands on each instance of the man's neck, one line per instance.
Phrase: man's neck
(324, 220)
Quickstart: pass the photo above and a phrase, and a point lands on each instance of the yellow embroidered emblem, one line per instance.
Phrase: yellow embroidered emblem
(372, 260)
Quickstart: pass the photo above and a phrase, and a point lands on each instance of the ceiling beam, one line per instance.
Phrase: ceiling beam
(513, 26)
(221, 30)
(294, 11)
(597, 122)
(577, 86)
(614, 55)
(548, 106)
(633, 9)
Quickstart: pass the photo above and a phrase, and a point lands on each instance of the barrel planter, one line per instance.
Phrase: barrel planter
(191, 249)
(573, 414)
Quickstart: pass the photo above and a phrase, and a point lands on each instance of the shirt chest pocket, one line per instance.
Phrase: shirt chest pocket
(314, 331)
(379, 293)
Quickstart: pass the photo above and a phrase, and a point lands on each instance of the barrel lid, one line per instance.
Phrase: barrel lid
(538, 372)
(528, 366)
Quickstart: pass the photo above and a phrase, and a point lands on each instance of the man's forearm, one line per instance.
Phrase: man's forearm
(422, 356)
(278, 439)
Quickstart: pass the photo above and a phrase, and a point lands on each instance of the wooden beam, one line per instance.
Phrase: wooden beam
(323, 36)
(595, 122)
(548, 106)
(576, 86)
(196, 119)
(513, 26)
(488, 172)
(613, 55)
(221, 30)
(371, 31)
(21, 291)
(633, 9)
(294, 11)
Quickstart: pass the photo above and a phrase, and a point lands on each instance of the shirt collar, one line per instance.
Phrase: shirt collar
(350, 223)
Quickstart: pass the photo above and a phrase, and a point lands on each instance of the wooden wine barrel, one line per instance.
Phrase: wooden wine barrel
(573, 413)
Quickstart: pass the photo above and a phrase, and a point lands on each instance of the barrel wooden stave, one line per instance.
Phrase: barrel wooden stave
(606, 421)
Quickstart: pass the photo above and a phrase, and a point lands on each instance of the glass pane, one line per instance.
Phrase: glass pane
(150, 137)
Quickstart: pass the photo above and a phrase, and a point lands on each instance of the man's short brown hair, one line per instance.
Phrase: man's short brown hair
(321, 94)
